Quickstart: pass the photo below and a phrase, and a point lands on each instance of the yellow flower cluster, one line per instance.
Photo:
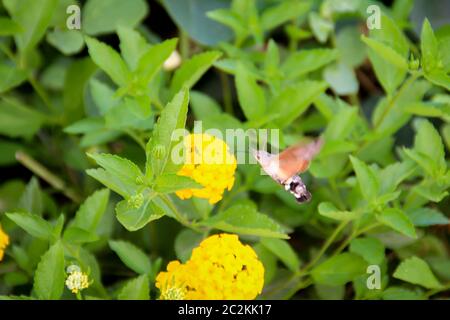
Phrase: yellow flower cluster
(4, 242)
(210, 164)
(221, 268)
(77, 280)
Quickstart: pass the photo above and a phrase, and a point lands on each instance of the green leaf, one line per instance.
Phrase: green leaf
(230, 19)
(169, 183)
(91, 211)
(130, 114)
(415, 270)
(121, 174)
(431, 190)
(195, 22)
(32, 224)
(203, 105)
(250, 94)
(76, 79)
(132, 46)
(397, 220)
(423, 160)
(160, 145)
(294, 100)
(75, 235)
(133, 257)
(428, 142)
(135, 289)
(134, 218)
(392, 175)
(8, 154)
(103, 96)
(342, 79)
(185, 242)
(49, 276)
(429, 47)
(339, 269)
(110, 181)
(305, 61)
(68, 42)
(367, 180)
(326, 292)
(341, 125)
(272, 61)
(283, 251)
(17, 120)
(320, 27)
(8, 27)
(389, 54)
(371, 249)
(10, 77)
(31, 200)
(399, 293)
(425, 217)
(389, 75)
(352, 50)
(429, 109)
(245, 219)
(153, 59)
(327, 209)
(104, 16)
(58, 226)
(34, 18)
(85, 125)
(439, 77)
(192, 70)
(107, 59)
(283, 12)
(269, 261)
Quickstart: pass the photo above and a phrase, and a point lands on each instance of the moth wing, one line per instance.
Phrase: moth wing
(305, 151)
(296, 158)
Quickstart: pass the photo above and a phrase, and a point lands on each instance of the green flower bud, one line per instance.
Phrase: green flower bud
(413, 63)
(136, 201)
(159, 152)
(140, 180)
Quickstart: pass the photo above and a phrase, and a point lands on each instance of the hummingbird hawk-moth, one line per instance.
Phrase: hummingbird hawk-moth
(286, 166)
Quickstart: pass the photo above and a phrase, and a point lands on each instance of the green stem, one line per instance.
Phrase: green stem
(336, 191)
(301, 285)
(226, 92)
(354, 235)
(392, 101)
(136, 138)
(184, 45)
(178, 216)
(41, 93)
(48, 176)
(325, 246)
(158, 104)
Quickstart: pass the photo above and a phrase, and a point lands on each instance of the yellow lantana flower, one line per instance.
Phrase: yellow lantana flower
(209, 163)
(221, 268)
(76, 280)
(4, 242)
